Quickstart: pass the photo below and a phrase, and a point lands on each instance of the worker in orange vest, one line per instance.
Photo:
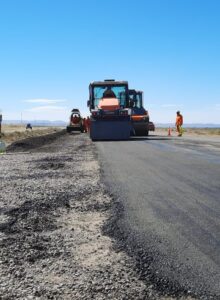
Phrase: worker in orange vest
(84, 125)
(88, 123)
(179, 123)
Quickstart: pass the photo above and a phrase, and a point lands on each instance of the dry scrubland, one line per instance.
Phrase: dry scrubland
(203, 131)
(191, 131)
(12, 133)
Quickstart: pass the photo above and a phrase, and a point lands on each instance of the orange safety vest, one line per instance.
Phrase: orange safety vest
(179, 120)
(88, 122)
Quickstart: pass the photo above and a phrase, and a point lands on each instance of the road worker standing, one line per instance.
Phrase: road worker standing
(84, 125)
(0, 124)
(88, 123)
(179, 123)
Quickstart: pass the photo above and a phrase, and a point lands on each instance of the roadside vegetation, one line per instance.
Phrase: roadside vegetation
(203, 131)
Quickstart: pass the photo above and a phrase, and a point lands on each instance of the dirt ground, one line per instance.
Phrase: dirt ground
(12, 133)
(212, 132)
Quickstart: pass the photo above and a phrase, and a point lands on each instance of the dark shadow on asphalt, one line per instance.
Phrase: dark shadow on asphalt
(150, 138)
(134, 139)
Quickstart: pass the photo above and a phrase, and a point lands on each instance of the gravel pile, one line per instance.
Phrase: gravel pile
(52, 211)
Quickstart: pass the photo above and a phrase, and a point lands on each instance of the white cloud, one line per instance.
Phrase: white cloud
(45, 101)
(47, 108)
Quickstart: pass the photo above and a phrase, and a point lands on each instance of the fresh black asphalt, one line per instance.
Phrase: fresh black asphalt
(168, 195)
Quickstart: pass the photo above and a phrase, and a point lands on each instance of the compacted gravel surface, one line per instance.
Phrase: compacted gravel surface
(54, 215)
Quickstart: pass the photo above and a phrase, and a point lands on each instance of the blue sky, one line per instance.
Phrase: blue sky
(50, 50)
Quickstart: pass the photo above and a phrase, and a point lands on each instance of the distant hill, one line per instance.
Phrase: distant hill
(35, 122)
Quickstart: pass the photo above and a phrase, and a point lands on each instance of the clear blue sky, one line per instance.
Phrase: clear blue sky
(50, 50)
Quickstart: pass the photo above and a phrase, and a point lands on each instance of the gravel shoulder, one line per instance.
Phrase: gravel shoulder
(53, 207)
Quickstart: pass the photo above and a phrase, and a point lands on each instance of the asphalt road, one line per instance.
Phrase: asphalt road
(170, 190)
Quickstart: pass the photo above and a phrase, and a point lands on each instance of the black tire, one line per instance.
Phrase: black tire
(147, 132)
(68, 129)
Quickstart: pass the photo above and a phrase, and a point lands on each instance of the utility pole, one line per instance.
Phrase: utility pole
(2, 143)
(0, 124)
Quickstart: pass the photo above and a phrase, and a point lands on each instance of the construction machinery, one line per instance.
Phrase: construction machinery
(110, 113)
(139, 115)
(151, 126)
(76, 121)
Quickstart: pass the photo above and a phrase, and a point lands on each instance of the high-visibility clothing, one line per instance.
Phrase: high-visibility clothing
(179, 120)
(88, 122)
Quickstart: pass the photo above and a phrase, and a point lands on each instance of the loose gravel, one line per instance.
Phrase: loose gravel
(53, 208)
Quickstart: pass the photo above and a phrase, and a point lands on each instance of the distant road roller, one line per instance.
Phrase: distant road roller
(76, 121)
